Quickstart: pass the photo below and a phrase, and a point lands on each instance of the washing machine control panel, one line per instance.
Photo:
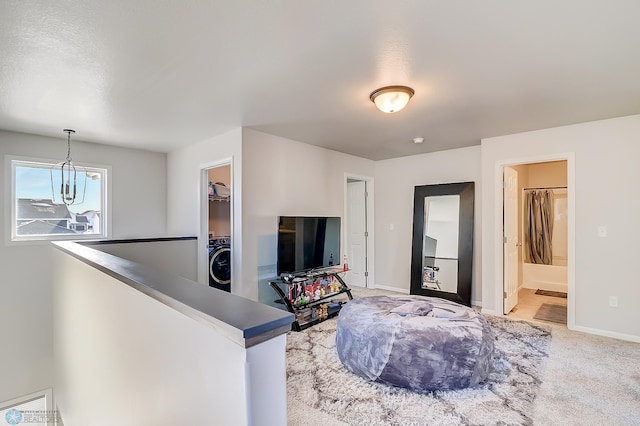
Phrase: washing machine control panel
(219, 241)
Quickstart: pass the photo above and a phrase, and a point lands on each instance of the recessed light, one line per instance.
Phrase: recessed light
(418, 140)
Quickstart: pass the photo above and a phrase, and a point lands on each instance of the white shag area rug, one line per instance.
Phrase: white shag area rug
(316, 378)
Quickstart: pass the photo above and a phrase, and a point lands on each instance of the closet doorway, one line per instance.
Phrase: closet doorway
(358, 230)
(216, 226)
(536, 223)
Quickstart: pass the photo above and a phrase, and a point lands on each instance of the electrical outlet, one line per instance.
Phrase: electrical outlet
(613, 301)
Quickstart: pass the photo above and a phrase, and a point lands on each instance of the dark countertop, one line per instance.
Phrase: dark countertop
(243, 321)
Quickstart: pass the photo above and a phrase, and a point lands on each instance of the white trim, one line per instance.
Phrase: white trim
(47, 394)
(10, 206)
(477, 303)
(203, 239)
(569, 157)
(606, 333)
(387, 287)
(491, 312)
(370, 223)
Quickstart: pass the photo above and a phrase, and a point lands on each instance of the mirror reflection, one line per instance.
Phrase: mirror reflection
(440, 243)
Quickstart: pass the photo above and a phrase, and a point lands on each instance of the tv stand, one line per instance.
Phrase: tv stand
(312, 296)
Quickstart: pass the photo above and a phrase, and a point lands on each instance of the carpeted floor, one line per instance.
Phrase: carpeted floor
(316, 378)
(587, 380)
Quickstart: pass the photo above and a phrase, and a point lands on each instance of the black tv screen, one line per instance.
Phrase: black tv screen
(307, 242)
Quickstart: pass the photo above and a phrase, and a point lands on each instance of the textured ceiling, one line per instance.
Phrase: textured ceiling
(159, 75)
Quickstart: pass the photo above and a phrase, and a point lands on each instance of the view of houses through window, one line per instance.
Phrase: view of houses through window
(39, 212)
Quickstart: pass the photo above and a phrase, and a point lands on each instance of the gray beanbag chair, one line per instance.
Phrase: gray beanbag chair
(415, 342)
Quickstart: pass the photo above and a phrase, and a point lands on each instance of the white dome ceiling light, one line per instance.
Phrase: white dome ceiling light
(391, 99)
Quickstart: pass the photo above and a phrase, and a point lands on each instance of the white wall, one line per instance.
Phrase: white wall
(185, 195)
(275, 176)
(138, 199)
(394, 190)
(285, 177)
(124, 358)
(606, 194)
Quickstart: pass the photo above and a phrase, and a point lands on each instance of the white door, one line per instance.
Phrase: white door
(357, 233)
(510, 239)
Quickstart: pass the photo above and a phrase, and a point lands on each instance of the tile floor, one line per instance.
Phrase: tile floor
(529, 302)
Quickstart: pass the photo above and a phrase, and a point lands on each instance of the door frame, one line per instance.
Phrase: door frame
(506, 263)
(203, 238)
(370, 260)
(569, 157)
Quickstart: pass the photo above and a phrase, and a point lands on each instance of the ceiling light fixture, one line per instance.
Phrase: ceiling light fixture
(418, 140)
(391, 98)
(68, 179)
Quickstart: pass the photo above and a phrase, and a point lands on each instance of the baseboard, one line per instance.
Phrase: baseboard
(490, 312)
(546, 285)
(386, 287)
(606, 333)
(477, 303)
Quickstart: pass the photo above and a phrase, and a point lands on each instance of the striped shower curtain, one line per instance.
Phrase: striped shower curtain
(539, 226)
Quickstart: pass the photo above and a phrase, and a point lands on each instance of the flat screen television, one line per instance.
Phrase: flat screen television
(307, 243)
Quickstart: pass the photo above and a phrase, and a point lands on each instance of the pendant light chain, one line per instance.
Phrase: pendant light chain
(68, 132)
(68, 146)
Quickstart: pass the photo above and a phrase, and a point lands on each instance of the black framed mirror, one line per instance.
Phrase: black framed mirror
(442, 251)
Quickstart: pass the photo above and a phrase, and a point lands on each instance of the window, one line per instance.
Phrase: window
(38, 212)
(35, 410)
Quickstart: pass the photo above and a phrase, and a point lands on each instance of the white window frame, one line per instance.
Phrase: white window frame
(47, 394)
(10, 202)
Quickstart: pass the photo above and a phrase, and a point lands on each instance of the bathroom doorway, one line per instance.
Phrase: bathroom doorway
(536, 241)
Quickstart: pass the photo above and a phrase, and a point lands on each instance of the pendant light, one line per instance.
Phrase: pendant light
(391, 99)
(69, 175)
